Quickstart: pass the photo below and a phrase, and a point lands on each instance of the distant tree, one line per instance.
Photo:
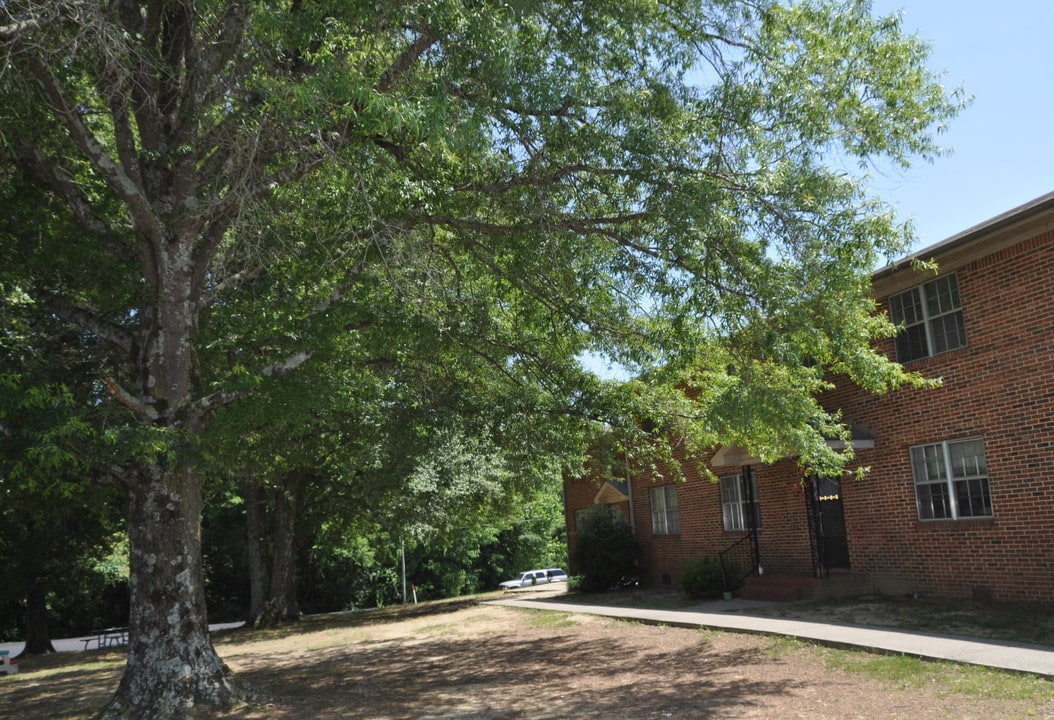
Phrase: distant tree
(535, 537)
(225, 558)
(57, 512)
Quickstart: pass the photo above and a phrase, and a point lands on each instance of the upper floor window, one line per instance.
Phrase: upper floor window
(665, 518)
(739, 499)
(951, 480)
(932, 319)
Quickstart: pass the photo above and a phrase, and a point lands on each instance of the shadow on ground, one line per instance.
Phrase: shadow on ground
(573, 675)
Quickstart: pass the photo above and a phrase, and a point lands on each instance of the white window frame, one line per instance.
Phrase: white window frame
(936, 308)
(964, 493)
(665, 515)
(734, 505)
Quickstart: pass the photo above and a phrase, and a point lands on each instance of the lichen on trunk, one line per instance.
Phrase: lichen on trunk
(173, 670)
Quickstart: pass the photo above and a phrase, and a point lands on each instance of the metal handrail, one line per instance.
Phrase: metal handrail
(736, 552)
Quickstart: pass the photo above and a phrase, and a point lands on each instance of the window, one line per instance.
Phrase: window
(665, 519)
(951, 480)
(932, 318)
(738, 498)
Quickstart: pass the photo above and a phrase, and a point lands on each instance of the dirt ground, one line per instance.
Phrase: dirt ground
(493, 663)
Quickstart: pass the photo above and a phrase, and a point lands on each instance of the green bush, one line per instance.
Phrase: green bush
(605, 550)
(705, 578)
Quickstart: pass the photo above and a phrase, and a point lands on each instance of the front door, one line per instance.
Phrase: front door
(830, 545)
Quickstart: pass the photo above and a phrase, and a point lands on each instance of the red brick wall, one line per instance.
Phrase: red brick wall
(783, 535)
(1000, 388)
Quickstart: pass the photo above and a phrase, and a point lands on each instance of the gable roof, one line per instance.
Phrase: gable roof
(982, 239)
(612, 492)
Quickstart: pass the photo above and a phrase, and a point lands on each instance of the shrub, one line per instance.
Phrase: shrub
(605, 551)
(705, 578)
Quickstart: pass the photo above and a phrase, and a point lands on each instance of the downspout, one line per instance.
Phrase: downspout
(752, 521)
(629, 492)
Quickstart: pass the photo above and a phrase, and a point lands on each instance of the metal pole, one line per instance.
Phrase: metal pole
(402, 552)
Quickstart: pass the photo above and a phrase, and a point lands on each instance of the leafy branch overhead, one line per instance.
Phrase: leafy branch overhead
(445, 203)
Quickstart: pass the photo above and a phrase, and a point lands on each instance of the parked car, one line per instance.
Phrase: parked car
(535, 577)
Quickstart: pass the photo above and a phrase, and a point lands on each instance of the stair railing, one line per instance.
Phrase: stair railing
(742, 558)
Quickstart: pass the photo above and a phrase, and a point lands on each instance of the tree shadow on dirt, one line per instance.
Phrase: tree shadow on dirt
(504, 677)
(78, 691)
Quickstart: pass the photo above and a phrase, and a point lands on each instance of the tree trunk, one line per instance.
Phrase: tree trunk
(283, 605)
(259, 574)
(38, 641)
(172, 666)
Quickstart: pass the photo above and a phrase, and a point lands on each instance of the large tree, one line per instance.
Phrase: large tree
(662, 183)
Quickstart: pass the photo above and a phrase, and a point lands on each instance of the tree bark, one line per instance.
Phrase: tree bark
(38, 640)
(282, 604)
(259, 572)
(172, 666)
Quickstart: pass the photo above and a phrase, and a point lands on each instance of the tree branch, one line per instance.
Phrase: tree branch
(43, 170)
(122, 396)
(288, 365)
(84, 318)
(217, 400)
(130, 193)
(391, 77)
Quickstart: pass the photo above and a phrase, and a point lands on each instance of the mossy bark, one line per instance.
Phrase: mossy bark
(173, 670)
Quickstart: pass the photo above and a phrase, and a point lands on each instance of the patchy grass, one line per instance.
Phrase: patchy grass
(1011, 623)
(782, 646)
(551, 619)
(1031, 624)
(902, 671)
(64, 686)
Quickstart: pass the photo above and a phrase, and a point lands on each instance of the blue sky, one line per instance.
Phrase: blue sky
(1003, 55)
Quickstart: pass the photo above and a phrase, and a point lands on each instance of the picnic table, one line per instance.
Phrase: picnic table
(107, 637)
(7, 665)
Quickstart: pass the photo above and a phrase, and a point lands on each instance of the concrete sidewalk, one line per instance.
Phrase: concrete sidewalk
(735, 615)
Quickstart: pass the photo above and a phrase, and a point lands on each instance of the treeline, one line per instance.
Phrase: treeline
(54, 589)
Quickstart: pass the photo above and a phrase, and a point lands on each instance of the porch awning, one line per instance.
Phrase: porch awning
(860, 438)
(735, 456)
(612, 492)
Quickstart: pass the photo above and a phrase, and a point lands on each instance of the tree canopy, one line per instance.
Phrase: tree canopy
(229, 192)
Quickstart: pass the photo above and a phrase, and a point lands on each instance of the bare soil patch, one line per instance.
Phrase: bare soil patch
(466, 661)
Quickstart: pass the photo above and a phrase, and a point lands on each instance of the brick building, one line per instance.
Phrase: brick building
(959, 500)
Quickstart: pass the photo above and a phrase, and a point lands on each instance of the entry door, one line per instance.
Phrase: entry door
(831, 543)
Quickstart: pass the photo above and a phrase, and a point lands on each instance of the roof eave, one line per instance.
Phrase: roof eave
(995, 232)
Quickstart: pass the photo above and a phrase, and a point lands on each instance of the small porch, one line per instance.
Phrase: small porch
(830, 575)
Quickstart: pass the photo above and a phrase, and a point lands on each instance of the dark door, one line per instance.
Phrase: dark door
(832, 547)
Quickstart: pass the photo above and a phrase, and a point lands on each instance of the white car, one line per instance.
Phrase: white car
(535, 577)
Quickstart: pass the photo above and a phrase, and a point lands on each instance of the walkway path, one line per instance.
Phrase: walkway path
(735, 615)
